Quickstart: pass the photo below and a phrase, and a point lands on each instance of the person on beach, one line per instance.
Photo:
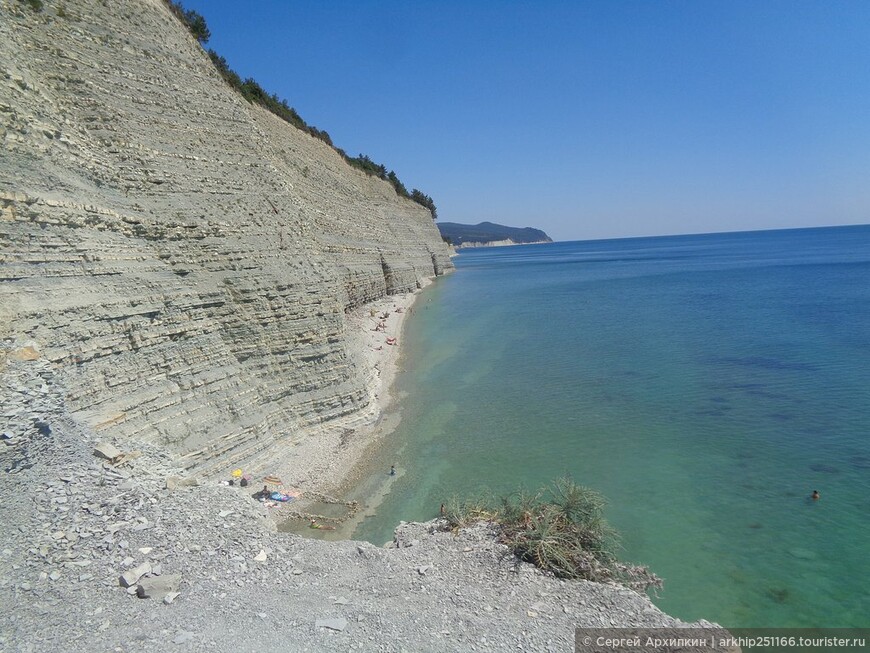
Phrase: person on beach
(262, 494)
(392, 470)
(815, 496)
(443, 512)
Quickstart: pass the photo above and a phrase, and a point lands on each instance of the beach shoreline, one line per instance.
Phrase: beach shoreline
(326, 463)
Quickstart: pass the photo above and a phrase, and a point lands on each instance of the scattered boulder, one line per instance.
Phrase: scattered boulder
(175, 482)
(28, 353)
(332, 624)
(159, 587)
(182, 636)
(131, 576)
(108, 451)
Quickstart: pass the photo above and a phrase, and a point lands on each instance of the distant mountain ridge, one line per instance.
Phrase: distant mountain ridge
(489, 234)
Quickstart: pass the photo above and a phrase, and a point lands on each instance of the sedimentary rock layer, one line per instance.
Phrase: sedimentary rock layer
(185, 258)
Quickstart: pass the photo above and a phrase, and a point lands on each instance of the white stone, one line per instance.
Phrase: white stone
(107, 450)
(333, 624)
(182, 637)
(131, 576)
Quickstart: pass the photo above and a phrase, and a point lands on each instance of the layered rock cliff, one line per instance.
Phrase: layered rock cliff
(183, 257)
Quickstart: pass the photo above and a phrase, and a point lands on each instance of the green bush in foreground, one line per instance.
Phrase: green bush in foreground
(560, 529)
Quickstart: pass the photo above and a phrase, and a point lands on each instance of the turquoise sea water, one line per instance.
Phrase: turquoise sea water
(704, 384)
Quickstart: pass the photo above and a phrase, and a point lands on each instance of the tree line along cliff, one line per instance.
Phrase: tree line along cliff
(184, 257)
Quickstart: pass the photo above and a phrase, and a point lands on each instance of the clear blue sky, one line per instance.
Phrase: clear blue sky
(586, 119)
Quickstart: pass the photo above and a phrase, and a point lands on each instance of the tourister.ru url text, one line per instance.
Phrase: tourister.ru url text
(713, 639)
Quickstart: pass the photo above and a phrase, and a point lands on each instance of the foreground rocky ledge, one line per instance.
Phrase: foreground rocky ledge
(74, 524)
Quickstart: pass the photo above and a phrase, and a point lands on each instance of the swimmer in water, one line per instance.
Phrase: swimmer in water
(815, 496)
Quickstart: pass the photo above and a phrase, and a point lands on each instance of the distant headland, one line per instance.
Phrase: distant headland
(490, 234)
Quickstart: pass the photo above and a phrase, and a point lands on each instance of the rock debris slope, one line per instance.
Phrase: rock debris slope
(183, 257)
(217, 577)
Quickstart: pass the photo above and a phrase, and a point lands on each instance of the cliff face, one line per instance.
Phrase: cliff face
(184, 258)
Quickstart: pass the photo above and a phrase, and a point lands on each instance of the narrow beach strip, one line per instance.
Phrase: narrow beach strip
(323, 464)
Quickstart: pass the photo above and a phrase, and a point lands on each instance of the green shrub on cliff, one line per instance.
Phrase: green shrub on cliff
(364, 163)
(425, 200)
(254, 93)
(193, 20)
(560, 529)
(36, 5)
(229, 75)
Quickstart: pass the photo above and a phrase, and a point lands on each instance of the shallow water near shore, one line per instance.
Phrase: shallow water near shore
(704, 384)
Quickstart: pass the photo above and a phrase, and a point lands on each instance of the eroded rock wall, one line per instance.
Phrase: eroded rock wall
(184, 258)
